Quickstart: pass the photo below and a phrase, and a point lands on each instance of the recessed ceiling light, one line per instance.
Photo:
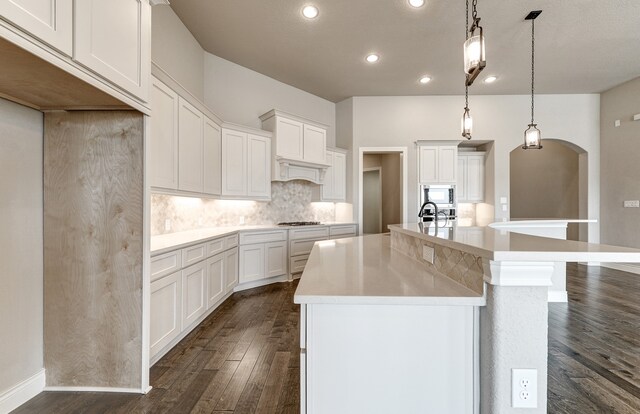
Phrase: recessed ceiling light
(425, 79)
(372, 58)
(416, 3)
(310, 12)
(490, 79)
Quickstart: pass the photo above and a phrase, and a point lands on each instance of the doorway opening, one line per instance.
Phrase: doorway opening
(383, 185)
(551, 183)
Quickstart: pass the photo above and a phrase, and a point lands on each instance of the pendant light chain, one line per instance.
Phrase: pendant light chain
(466, 36)
(474, 14)
(533, 44)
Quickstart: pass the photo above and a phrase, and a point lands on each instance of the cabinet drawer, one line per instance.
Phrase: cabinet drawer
(230, 241)
(343, 231)
(193, 254)
(313, 233)
(297, 264)
(263, 237)
(215, 246)
(165, 264)
(298, 247)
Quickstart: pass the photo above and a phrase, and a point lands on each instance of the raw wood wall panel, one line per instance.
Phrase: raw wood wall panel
(93, 251)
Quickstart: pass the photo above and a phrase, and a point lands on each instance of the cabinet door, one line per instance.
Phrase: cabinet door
(461, 186)
(447, 164)
(475, 178)
(166, 311)
(314, 144)
(234, 163)
(428, 165)
(190, 147)
(230, 269)
(113, 38)
(276, 259)
(289, 138)
(328, 189)
(164, 136)
(258, 166)
(215, 279)
(49, 20)
(194, 293)
(252, 261)
(339, 177)
(212, 164)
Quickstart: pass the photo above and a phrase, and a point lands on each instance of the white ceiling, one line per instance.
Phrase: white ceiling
(582, 46)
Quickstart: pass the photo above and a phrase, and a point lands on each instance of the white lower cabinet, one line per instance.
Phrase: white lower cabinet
(263, 255)
(166, 311)
(251, 262)
(215, 279)
(194, 299)
(231, 269)
(275, 259)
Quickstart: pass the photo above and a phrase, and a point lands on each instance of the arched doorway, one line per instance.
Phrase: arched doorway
(551, 183)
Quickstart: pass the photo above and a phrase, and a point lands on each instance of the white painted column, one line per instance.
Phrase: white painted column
(513, 332)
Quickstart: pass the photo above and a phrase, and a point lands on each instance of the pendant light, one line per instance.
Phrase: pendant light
(532, 137)
(467, 121)
(474, 56)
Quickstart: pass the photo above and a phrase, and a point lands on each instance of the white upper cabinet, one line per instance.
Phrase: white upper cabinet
(190, 147)
(163, 171)
(49, 20)
(113, 38)
(258, 166)
(437, 164)
(212, 158)
(335, 181)
(234, 163)
(471, 177)
(299, 147)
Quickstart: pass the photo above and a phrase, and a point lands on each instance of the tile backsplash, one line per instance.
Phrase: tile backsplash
(290, 201)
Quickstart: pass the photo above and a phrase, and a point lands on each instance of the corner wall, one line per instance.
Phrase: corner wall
(21, 307)
(619, 157)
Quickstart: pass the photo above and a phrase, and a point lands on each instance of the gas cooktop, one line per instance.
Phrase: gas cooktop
(299, 223)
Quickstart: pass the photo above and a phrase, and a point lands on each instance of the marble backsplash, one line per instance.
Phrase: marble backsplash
(290, 201)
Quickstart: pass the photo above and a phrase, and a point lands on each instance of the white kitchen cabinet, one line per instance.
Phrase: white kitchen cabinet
(437, 164)
(190, 147)
(166, 311)
(163, 170)
(470, 187)
(258, 167)
(113, 39)
(246, 165)
(334, 187)
(230, 269)
(263, 255)
(215, 279)
(252, 260)
(275, 259)
(51, 21)
(194, 293)
(299, 147)
(212, 163)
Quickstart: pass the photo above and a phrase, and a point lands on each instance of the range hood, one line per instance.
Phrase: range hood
(287, 169)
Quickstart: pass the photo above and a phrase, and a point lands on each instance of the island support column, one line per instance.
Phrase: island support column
(513, 332)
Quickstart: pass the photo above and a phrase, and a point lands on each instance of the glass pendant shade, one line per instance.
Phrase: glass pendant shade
(467, 124)
(532, 138)
(473, 53)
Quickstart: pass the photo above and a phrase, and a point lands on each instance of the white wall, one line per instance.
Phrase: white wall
(240, 95)
(401, 120)
(21, 212)
(176, 51)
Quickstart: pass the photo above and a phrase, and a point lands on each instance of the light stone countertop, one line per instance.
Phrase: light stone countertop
(365, 270)
(164, 243)
(502, 245)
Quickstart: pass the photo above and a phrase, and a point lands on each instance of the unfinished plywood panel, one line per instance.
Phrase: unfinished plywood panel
(93, 251)
(31, 81)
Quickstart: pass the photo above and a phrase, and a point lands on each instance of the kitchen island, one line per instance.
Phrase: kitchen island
(383, 330)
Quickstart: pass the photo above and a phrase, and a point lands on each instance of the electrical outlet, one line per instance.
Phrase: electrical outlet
(427, 253)
(167, 225)
(632, 203)
(241, 219)
(524, 388)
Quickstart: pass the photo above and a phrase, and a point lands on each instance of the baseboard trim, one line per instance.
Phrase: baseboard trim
(557, 296)
(22, 392)
(261, 282)
(96, 389)
(625, 267)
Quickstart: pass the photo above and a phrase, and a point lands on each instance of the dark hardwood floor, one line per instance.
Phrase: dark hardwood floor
(244, 358)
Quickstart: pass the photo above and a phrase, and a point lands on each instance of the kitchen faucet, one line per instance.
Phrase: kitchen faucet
(421, 213)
